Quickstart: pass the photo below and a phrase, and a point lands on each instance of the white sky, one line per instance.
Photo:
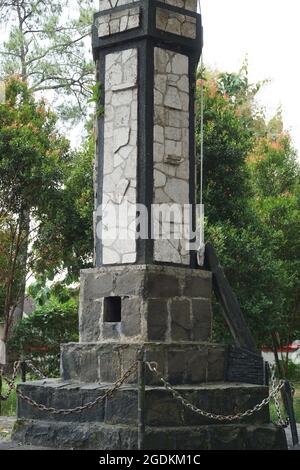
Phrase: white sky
(268, 31)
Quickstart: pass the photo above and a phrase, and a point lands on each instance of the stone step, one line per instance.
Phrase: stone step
(180, 363)
(161, 408)
(99, 436)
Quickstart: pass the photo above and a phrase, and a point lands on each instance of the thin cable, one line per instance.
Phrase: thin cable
(201, 128)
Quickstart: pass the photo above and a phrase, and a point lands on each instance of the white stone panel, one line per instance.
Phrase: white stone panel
(186, 4)
(176, 23)
(120, 156)
(108, 4)
(171, 147)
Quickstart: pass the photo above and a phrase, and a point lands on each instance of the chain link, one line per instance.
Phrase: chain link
(91, 404)
(283, 422)
(218, 417)
(10, 382)
(35, 370)
(153, 367)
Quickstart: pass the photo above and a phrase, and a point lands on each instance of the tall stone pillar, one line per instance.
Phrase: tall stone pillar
(147, 292)
(146, 54)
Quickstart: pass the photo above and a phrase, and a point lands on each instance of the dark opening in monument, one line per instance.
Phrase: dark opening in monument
(112, 310)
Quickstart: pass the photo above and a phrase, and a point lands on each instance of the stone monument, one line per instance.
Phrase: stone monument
(145, 291)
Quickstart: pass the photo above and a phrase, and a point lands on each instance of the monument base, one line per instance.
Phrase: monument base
(112, 424)
(167, 312)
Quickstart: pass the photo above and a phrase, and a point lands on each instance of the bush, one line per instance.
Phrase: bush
(292, 372)
(38, 337)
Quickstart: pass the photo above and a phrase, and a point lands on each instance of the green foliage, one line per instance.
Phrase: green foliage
(47, 46)
(96, 98)
(292, 371)
(251, 197)
(228, 138)
(69, 220)
(33, 160)
(8, 407)
(32, 153)
(38, 337)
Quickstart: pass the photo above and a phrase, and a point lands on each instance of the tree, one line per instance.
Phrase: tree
(68, 222)
(228, 138)
(33, 158)
(47, 47)
(251, 199)
(275, 174)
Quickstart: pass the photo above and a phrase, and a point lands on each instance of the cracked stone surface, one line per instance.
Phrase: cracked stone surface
(171, 151)
(176, 23)
(187, 4)
(108, 4)
(120, 156)
(118, 22)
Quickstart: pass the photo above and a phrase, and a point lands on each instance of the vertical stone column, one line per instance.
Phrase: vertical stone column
(146, 54)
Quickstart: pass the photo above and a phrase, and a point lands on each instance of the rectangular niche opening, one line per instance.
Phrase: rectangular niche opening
(112, 310)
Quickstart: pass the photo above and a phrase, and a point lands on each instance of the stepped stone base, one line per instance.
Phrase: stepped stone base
(87, 436)
(167, 312)
(113, 423)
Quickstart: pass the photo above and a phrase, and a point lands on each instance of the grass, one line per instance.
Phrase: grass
(8, 407)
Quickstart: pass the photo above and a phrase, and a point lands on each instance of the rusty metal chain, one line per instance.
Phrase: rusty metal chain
(80, 409)
(35, 370)
(153, 367)
(10, 382)
(283, 422)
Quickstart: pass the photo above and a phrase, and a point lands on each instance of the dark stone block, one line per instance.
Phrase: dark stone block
(131, 316)
(180, 320)
(266, 437)
(161, 409)
(176, 367)
(216, 365)
(157, 318)
(88, 366)
(121, 407)
(96, 413)
(130, 282)
(110, 367)
(111, 330)
(69, 365)
(196, 366)
(232, 437)
(96, 285)
(196, 286)
(202, 319)
(61, 435)
(185, 438)
(162, 285)
(128, 357)
(89, 320)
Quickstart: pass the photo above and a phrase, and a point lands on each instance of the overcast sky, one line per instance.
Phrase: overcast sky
(268, 31)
